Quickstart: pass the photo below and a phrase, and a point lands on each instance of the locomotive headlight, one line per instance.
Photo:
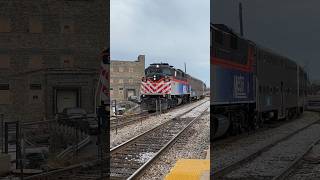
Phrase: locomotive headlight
(154, 77)
(144, 79)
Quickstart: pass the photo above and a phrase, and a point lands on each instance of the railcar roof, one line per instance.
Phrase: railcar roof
(226, 29)
(167, 65)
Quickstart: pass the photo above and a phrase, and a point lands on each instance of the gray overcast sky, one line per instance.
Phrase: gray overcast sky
(289, 27)
(173, 31)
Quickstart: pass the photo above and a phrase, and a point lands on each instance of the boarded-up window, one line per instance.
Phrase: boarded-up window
(35, 25)
(4, 61)
(5, 24)
(36, 62)
(67, 61)
(5, 94)
(67, 26)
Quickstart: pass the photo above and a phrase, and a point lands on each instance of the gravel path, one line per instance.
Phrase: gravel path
(137, 128)
(279, 157)
(193, 144)
(226, 154)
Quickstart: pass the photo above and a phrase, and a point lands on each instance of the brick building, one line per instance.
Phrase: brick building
(49, 55)
(125, 78)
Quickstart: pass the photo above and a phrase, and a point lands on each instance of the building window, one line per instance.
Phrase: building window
(111, 80)
(35, 86)
(120, 90)
(120, 80)
(67, 61)
(120, 69)
(131, 70)
(35, 62)
(5, 24)
(130, 80)
(5, 94)
(35, 96)
(4, 87)
(4, 62)
(35, 25)
(67, 26)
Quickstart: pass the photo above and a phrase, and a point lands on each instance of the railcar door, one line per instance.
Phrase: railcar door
(281, 113)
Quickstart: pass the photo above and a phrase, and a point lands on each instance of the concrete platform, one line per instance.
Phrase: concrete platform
(190, 169)
(4, 164)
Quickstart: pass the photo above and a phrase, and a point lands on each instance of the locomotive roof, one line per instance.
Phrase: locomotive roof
(226, 29)
(167, 65)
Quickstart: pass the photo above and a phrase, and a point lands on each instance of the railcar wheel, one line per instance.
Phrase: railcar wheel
(237, 123)
(257, 121)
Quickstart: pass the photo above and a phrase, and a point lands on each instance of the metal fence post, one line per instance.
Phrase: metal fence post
(2, 133)
(6, 138)
(156, 106)
(160, 106)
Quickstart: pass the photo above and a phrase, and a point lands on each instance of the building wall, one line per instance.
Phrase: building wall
(126, 76)
(47, 44)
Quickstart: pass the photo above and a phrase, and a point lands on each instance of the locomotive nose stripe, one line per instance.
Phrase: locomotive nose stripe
(161, 87)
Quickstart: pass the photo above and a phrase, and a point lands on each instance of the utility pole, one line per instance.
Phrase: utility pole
(185, 68)
(240, 18)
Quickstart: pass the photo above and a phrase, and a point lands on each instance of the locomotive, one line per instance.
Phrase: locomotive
(165, 87)
(250, 84)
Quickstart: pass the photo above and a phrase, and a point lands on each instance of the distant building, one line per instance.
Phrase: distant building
(49, 56)
(125, 78)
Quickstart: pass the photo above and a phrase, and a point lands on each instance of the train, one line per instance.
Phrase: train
(164, 87)
(250, 84)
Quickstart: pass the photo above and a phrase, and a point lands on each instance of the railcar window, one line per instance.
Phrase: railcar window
(218, 35)
(233, 42)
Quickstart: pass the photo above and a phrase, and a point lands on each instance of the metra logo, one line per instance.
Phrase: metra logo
(239, 90)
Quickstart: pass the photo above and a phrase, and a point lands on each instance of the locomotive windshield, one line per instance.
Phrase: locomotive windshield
(151, 71)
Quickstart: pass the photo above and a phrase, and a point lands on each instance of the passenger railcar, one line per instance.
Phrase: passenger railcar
(250, 84)
(165, 86)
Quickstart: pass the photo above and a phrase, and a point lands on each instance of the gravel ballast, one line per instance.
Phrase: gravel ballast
(227, 154)
(272, 162)
(137, 128)
(193, 144)
(309, 166)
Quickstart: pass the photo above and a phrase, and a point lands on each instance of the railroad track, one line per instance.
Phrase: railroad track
(286, 173)
(270, 157)
(120, 122)
(128, 160)
(92, 170)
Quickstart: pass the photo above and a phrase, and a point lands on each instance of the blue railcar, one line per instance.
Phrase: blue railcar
(250, 84)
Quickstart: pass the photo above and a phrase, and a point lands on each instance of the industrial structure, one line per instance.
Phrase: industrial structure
(49, 56)
(125, 78)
